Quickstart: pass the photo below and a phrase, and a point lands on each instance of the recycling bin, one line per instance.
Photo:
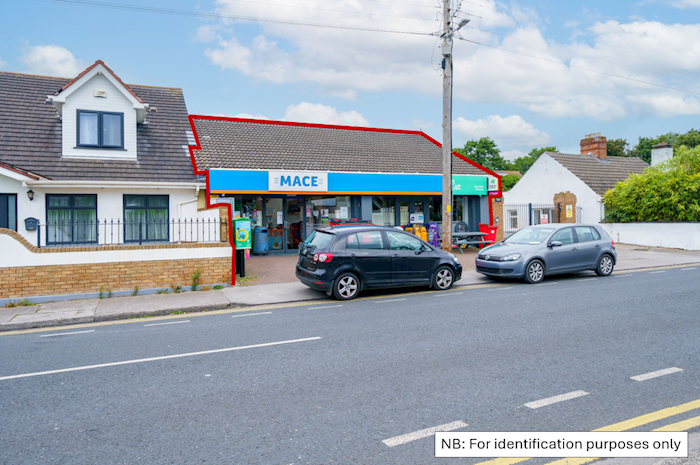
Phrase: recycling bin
(260, 244)
(490, 231)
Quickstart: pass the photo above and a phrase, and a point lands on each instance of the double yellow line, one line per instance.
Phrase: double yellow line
(624, 426)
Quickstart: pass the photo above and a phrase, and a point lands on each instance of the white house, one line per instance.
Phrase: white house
(587, 175)
(96, 161)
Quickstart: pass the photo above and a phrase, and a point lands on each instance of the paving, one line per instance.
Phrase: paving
(269, 280)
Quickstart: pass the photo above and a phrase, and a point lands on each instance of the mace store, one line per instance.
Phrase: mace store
(293, 178)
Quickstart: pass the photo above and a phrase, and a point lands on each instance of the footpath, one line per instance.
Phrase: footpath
(117, 308)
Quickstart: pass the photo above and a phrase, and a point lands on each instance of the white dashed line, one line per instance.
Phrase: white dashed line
(424, 433)
(449, 294)
(153, 359)
(327, 306)
(547, 284)
(656, 374)
(251, 314)
(656, 272)
(68, 334)
(382, 301)
(555, 399)
(686, 269)
(501, 289)
(622, 276)
(168, 323)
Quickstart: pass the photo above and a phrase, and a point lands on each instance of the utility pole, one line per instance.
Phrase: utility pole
(446, 46)
(447, 126)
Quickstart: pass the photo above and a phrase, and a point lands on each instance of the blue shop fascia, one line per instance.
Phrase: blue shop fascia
(264, 170)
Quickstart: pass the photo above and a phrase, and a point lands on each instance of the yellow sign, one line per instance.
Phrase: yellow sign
(449, 208)
(569, 211)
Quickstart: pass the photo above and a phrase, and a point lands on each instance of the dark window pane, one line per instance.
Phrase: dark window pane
(370, 240)
(565, 236)
(158, 201)
(111, 130)
(60, 227)
(132, 219)
(62, 201)
(84, 201)
(12, 212)
(135, 200)
(399, 241)
(88, 128)
(352, 242)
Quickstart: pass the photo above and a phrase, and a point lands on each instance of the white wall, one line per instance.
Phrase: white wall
(15, 254)
(684, 236)
(546, 178)
(84, 99)
(110, 207)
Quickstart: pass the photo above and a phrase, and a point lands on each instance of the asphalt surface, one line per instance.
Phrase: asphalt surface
(329, 381)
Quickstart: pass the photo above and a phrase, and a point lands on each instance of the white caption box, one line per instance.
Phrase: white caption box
(566, 444)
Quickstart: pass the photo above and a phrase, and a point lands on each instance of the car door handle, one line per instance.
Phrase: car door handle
(352, 255)
(396, 255)
(597, 245)
(573, 249)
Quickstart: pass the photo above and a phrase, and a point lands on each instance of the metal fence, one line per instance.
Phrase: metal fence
(111, 232)
(518, 216)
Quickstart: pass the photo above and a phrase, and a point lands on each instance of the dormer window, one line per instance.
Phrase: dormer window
(100, 129)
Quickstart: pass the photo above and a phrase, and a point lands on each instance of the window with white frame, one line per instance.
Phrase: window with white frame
(513, 219)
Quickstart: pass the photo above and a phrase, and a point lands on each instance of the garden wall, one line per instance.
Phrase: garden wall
(684, 236)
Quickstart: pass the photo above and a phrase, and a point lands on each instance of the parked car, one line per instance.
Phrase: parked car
(345, 261)
(537, 251)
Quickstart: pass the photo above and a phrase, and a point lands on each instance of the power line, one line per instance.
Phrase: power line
(579, 67)
(201, 14)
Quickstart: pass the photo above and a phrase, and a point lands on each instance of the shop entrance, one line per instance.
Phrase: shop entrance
(284, 220)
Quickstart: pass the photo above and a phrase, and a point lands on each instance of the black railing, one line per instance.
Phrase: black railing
(114, 232)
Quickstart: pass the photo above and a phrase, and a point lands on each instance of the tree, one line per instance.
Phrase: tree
(522, 164)
(509, 180)
(669, 191)
(486, 153)
(618, 148)
(643, 149)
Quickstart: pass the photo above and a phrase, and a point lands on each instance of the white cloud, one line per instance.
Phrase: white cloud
(2, 63)
(247, 116)
(323, 114)
(421, 124)
(51, 60)
(509, 132)
(345, 63)
(685, 3)
(512, 154)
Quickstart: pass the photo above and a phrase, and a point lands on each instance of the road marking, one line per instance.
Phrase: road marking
(168, 323)
(500, 289)
(392, 300)
(153, 359)
(68, 334)
(547, 284)
(657, 272)
(686, 269)
(424, 433)
(656, 374)
(327, 306)
(451, 293)
(555, 399)
(621, 426)
(622, 276)
(251, 314)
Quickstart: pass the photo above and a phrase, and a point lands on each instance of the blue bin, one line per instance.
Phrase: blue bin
(260, 244)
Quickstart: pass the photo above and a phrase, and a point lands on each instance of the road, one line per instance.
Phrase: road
(346, 382)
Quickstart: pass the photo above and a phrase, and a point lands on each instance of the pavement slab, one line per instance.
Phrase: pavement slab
(159, 304)
(272, 293)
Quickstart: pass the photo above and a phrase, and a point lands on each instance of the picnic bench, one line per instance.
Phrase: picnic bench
(466, 239)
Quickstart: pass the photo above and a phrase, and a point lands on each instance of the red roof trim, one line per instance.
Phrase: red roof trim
(100, 62)
(19, 171)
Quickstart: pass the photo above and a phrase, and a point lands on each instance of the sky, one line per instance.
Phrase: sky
(529, 74)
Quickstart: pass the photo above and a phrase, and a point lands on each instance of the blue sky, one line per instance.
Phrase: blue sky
(340, 76)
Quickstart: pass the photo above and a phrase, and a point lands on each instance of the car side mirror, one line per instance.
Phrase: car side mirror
(555, 244)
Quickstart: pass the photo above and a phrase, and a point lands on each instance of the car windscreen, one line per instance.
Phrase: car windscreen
(319, 240)
(530, 236)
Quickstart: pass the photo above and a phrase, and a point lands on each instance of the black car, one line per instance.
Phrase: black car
(344, 261)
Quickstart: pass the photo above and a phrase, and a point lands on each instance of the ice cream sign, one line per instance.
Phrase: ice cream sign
(297, 181)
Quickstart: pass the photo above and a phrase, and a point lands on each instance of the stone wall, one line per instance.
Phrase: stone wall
(563, 202)
(498, 219)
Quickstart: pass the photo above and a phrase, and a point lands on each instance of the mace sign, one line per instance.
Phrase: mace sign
(297, 181)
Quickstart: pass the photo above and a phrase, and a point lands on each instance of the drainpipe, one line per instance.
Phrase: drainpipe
(180, 204)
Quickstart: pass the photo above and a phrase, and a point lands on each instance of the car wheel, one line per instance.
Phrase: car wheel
(534, 273)
(605, 266)
(444, 278)
(346, 287)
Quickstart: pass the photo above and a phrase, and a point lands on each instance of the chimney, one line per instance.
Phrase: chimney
(661, 152)
(596, 145)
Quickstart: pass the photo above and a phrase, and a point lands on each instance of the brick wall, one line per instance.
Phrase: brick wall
(497, 206)
(561, 201)
(28, 281)
(595, 144)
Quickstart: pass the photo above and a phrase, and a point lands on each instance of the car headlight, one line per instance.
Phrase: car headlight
(454, 257)
(511, 257)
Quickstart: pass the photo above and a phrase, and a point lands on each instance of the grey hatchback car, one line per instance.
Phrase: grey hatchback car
(537, 251)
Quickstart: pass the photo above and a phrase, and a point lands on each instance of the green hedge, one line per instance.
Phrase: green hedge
(669, 191)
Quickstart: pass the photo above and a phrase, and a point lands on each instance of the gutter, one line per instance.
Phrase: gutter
(116, 184)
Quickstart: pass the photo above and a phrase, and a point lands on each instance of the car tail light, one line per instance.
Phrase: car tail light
(613, 243)
(323, 257)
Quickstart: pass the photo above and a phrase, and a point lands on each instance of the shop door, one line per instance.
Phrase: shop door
(294, 222)
(274, 221)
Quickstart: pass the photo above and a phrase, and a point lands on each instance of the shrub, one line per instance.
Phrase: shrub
(669, 191)
(194, 277)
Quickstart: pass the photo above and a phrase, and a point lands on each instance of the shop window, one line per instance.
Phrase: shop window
(71, 219)
(8, 211)
(384, 211)
(146, 218)
(435, 207)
